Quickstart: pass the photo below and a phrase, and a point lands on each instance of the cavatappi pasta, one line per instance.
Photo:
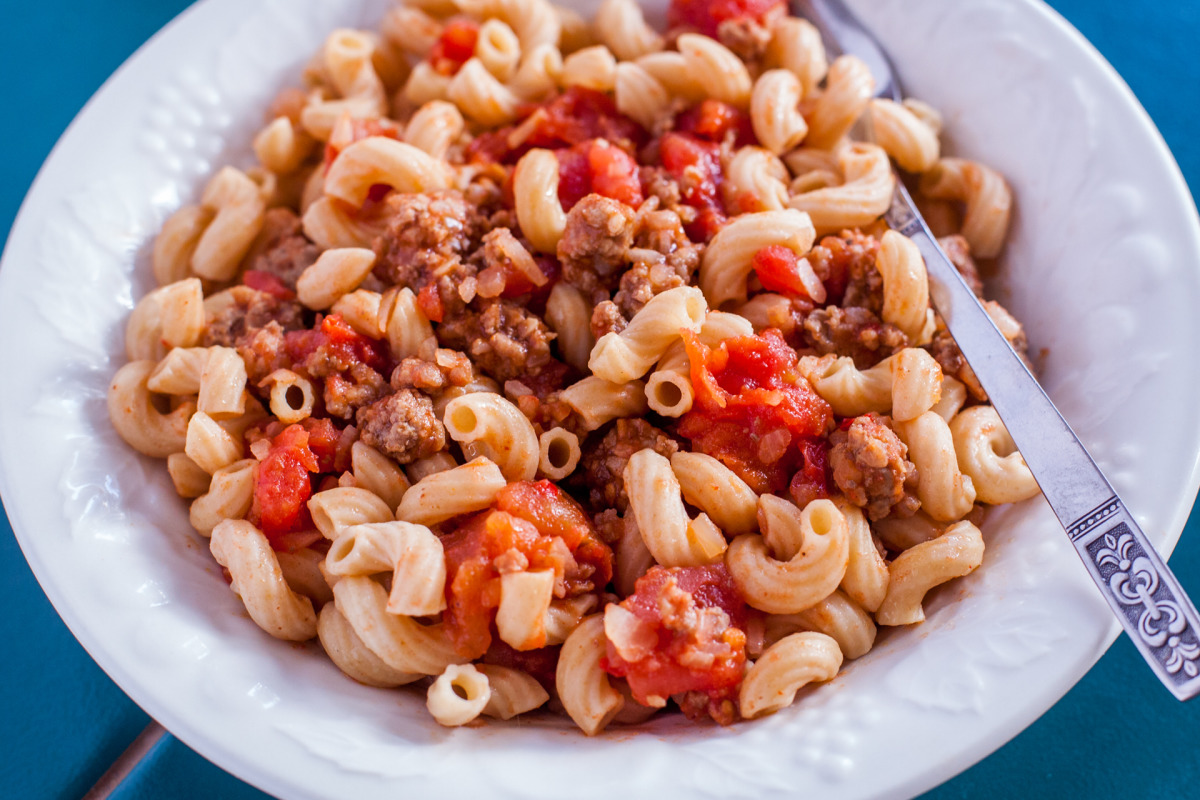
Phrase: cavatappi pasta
(540, 362)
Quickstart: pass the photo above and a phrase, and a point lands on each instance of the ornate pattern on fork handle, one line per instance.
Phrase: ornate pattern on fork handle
(1142, 592)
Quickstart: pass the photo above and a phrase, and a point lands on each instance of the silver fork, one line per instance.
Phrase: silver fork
(1142, 592)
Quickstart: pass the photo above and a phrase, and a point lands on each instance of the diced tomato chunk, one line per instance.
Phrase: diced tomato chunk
(430, 303)
(682, 630)
(696, 166)
(267, 282)
(778, 270)
(533, 526)
(595, 166)
(712, 120)
(706, 16)
(753, 409)
(580, 114)
(811, 481)
(455, 46)
(343, 342)
(283, 486)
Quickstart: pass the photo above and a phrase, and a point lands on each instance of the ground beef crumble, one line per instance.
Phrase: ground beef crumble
(448, 368)
(869, 465)
(848, 260)
(284, 251)
(604, 462)
(594, 245)
(246, 310)
(402, 425)
(505, 340)
(853, 331)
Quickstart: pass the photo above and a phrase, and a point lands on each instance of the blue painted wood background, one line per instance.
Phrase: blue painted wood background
(62, 721)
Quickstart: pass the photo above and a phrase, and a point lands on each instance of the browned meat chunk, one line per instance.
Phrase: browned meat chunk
(505, 340)
(855, 332)
(263, 351)
(424, 231)
(745, 36)
(426, 240)
(658, 183)
(595, 243)
(959, 252)
(244, 309)
(402, 425)
(285, 251)
(346, 393)
(869, 466)
(848, 260)
(607, 318)
(945, 351)
(604, 463)
(448, 368)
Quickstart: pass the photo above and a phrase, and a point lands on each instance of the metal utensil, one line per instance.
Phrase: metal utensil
(1143, 593)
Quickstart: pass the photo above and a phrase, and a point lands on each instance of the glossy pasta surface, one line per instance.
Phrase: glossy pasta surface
(539, 362)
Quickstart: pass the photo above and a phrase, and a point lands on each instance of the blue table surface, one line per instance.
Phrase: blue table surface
(1116, 734)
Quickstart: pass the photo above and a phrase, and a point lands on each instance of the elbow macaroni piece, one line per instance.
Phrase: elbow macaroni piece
(354, 658)
(535, 194)
(335, 510)
(850, 391)
(210, 445)
(957, 552)
(716, 490)
(378, 474)
(756, 180)
(513, 691)
(458, 696)
(598, 401)
(558, 453)
(137, 421)
(628, 355)
(335, 273)
(175, 243)
(849, 87)
(775, 111)
(583, 686)
(905, 287)
(222, 389)
(797, 47)
(569, 315)
(461, 490)
(916, 383)
(809, 552)
(400, 642)
(907, 138)
(837, 616)
(498, 49)
(487, 425)
(656, 503)
(621, 26)
(480, 96)
(229, 495)
(381, 160)
(784, 668)
(434, 127)
(988, 455)
(726, 263)
(292, 397)
(946, 494)
(863, 196)
(866, 577)
(405, 324)
(640, 96)
(722, 74)
(592, 68)
(187, 477)
(985, 194)
(256, 578)
(410, 552)
(238, 207)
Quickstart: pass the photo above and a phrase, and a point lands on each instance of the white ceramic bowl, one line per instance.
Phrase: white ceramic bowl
(1101, 267)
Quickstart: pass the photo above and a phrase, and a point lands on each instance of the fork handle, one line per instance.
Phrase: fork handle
(1142, 591)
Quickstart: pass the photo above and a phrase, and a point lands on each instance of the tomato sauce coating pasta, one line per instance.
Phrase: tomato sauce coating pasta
(663, 335)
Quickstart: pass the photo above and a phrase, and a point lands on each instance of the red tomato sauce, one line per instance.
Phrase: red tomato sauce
(455, 46)
(338, 340)
(695, 165)
(706, 16)
(284, 485)
(778, 270)
(753, 410)
(599, 167)
(691, 621)
(535, 520)
(712, 120)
